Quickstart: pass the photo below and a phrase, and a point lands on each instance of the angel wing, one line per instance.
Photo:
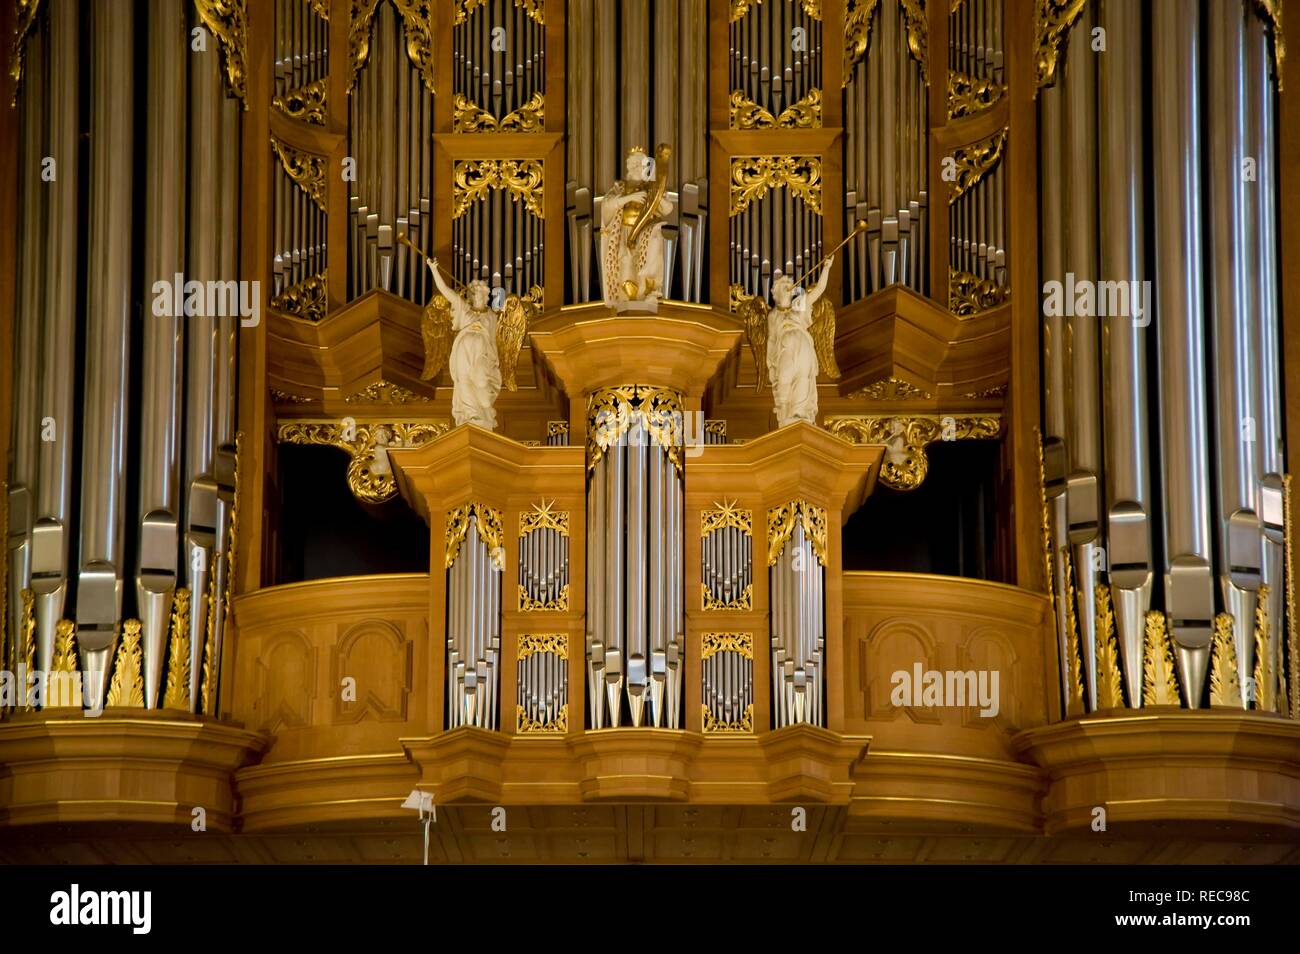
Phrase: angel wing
(753, 315)
(512, 323)
(435, 328)
(822, 330)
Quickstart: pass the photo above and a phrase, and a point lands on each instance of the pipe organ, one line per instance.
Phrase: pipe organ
(474, 561)
(797, 586)
(1163, 429)
(886, 119)
(663, 41)
(543, 559)
(137, 479)
(728, 665)
(543, 704)
(635, 604)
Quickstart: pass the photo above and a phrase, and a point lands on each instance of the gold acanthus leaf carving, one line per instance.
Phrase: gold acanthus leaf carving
(612, 411)
(1110, 695)
(530, 604)
(307, 300)
(417, 31)
(805, 113)
(917, 35)
(321, 8)
(487, 520)
(370, 475)
(743, 602)
(542, 516)
(1159, 684)
(740, 643)
(469, 117)
(225, 20)
(781, 522)
(525, 725)
(970, 295)
(65, 646)
(127, 685)
(892, 389)
(1074, 662)
(1225, 678)
(1271, 12)
(535, 10)
(753, 176)
(25, 20)
(557, 644)
(306, 103)
(385, 392)
(1265, 674)
(472, 180)
(740, 7)
(711, 723)
(176, 695)
(974, 161)
(726, 514)
(1052, 22)
(905, 436)
(306, 170)
(968, 94)
(858, 15)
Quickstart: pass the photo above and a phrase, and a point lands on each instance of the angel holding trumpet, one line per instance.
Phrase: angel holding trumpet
(477, 345)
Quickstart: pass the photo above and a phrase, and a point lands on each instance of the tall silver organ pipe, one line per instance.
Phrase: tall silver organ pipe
(886, 120)
(51, 533)
(607, 115)
(163, 361)
(108, 307)
(1212, 142)
(1128, 525)
(390, 136)
(635, 606)
(473, 565)
(797, 581)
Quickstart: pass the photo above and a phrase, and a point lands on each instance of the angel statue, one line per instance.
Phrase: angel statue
(632, 216)
(483, 346)
(791, 342)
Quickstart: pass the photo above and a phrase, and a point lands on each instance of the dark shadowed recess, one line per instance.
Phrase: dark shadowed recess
(325, 531)
(947, 525)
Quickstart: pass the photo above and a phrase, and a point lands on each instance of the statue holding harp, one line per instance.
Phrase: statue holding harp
(632, 217)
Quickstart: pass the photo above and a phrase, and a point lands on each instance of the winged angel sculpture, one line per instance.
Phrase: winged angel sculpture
(792, 341)
(480, 347)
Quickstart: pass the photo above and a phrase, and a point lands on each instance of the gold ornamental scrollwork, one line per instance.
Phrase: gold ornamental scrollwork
(306, 300)
(753, 176)
(487, 520)
(557, 644)
(740, 643)
(26, 19)
(1109, 688)
(1270, 11)
(858, 15)
(974, 162)
(535, 10)
(905, 436)
(969, 294)
(126, 688)
(472, 180)
(370, 475)
(611, 412)
(740, 7)
(417, 32)
(711, 723)
(307, 171)
(1159, 684)
(225, 20)
(530, 604)
(781, 522)
(1225, 686)
(525, 725)
(805, 113)
(307, 103)
(726, 514)
(743, 602)
(917, 35)
(385, 392)
(542, 517)
(892, 389)
(1052, 22)
(469, 117)
(968, 94)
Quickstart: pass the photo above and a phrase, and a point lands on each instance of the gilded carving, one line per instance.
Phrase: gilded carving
(307, 171)
(224, 19)
(1110, 695)
(176, 694)
(781, 522)
(969, 294)
(914, 16)
(530, 604)
(385, 392)
(968, 94)
(1271, 12)
(611, 412)
(1159, 683)
(468, 117)
(974, 161)
(805, 113)
(488, 522)
(1225, 684)
(417, 31)
(753, 176)
(740, 643)
(1074, 663)
(892, 389)
(307, 103)
(1052, 22)
(1265, 670)
(557, 644)
(65, 647)
(541, 516)
(535, 10)
(127, 685)
(905, 436)
(370, 475)
(858, 15)
(525, 725)
(711, 723)
(25, 20)
(744, 599)
(306, 300)
(726, 514)
(472, 179)
(740, 7)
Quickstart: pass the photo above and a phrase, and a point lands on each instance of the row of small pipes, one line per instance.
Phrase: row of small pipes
(726, 563)
(978, 230)
(975, 39)
(728, 687)
(778, 234)
(543, 564)
(301, 45)
(499, 240)
(499, 57)
(798, 582)
(299, 234)
(543, 687)
(775, 54)
(886, 181)
(183, 419)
